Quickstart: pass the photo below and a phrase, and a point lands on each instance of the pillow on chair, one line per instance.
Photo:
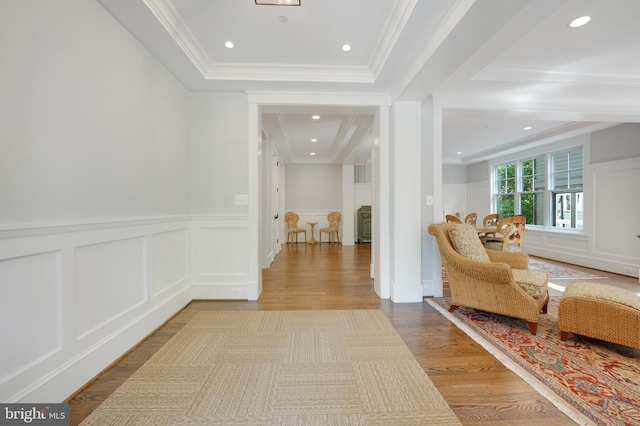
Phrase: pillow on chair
(465, 241)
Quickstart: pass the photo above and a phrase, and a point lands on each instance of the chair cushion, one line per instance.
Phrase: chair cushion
(465, 241)
(533, 282)
(328, 229)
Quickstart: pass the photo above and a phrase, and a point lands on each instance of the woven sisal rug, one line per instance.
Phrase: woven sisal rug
(592, 381)
(280, 368)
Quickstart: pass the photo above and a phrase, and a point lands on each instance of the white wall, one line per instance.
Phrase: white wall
(313, 187)
(95, 241)
(218, 152)
(313, 191)
(454, 199)
(81, 98)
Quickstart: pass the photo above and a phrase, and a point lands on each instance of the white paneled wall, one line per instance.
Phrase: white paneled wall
(73, 298)
(454, 199)
(220, 264)
(606, 243)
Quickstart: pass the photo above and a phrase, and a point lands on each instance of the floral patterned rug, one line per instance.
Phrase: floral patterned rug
(592, 381)
(552, 270)
(558, 271)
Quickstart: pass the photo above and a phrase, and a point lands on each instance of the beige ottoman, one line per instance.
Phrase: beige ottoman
(600, 311)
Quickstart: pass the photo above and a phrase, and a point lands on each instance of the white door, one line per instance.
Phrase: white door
(277, 216)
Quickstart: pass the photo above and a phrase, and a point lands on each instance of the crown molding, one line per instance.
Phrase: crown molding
(171, 21)
(519, 74)
(282, 72)
(396, 23)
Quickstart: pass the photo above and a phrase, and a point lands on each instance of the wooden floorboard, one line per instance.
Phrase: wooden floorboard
(479, 389)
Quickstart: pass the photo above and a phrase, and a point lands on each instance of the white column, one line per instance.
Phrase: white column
(406, 220)
(432, 186)
(348, 206)
(380, 217)
(254, 283)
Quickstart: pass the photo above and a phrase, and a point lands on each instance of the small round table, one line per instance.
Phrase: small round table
(313, 239)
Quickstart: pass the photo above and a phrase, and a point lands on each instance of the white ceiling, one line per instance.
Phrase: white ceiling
(494, 66)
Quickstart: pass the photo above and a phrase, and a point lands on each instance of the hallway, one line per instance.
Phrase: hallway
(479, 389)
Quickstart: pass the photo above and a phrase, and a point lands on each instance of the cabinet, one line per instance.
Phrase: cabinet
(364, 224)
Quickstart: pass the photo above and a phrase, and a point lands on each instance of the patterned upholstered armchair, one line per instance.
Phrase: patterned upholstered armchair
(489, 280)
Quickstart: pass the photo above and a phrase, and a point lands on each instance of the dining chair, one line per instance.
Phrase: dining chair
(471, 218)
(490, 221)
(452, 219)
(511, 233)
(333, 228)
(291, 220)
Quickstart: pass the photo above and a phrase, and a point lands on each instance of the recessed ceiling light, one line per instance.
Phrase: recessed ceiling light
(229, 44)
(527, 128)
(316, 117)
(459, 152)
(578, 22)
(346, 48)
(314, 140)
(313, 153)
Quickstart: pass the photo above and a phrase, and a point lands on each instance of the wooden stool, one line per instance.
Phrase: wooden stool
(600, 311)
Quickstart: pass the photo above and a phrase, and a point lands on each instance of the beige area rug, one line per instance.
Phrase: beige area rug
(280, 368)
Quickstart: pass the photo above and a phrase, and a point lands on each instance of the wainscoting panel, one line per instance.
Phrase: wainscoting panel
(223, 251)
(30, 311)
(113, 273)
(617, 209)
(170, 259)
(75, 297)
(567, 242)
(220, 264)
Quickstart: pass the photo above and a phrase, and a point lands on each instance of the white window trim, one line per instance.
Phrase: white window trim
(547, 150)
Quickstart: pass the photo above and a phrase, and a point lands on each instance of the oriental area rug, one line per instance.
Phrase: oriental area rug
(592, 381)
(552, 270)
(279, 368)
(557, 271)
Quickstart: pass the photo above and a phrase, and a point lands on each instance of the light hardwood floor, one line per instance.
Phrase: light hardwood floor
(479, 389)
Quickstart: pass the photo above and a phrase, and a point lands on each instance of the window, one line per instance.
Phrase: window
(520, 187)
(505, 189)
(566, 189)
(532, 186)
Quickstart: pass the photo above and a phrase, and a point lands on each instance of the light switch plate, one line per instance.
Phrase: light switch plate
(242, 200)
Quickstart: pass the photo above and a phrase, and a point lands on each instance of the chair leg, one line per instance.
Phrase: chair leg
(533, 327)
(453, 308)
(564, 335)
